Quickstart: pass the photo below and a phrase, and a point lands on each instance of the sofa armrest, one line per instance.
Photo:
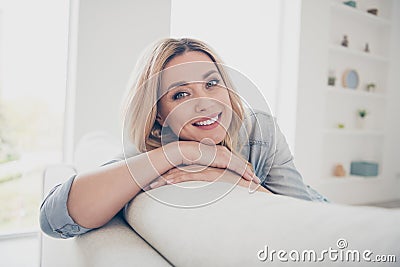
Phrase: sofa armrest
(117, 244)
(52, 250)
(56, 174)
(114, 244)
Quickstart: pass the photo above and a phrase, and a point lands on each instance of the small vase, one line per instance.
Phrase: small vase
(360, 122)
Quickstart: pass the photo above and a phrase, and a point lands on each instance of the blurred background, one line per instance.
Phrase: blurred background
(64, 66)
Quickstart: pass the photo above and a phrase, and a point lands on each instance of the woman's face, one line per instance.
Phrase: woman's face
(193, 101)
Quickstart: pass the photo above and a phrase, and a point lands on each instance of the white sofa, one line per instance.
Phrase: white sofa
(234, 231)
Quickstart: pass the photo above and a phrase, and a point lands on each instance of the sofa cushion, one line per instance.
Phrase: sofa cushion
(116, 244)
(236, 229)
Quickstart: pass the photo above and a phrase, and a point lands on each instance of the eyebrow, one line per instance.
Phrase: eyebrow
(209, 73)
(181, 83)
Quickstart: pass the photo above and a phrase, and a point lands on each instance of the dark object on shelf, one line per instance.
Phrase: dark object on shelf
(350, 3)
(370, 87)
(373, 11)
(331, 81)
(362, 113)
(345, 41)
(340, 125)
(366, 49)
(364, 168)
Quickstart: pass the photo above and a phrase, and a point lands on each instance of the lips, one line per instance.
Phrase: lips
(206, 121)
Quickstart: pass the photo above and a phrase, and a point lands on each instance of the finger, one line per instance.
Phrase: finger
(252, 187)
(173, 170)
(193, 168)
(171, 181)
(227, 159)
(146, 188)
(160, 181)
(252, 178)
(182, 177)
(173, 178)
(179, 178)
(240, 167)
(250, 174)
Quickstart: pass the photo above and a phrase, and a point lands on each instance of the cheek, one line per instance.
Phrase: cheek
(226, 101)
(178, 116)
(223, 97)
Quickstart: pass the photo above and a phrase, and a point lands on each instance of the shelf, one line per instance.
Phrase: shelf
(353, 179)
(360, 14)
(357, 53)
(355, 92)
(353, 132)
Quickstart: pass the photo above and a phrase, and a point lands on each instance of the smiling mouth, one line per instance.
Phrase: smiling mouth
(208, 121)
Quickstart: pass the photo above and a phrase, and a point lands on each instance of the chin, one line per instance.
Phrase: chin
(217, 141)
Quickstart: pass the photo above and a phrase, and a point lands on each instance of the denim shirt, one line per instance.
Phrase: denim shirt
(263, 145)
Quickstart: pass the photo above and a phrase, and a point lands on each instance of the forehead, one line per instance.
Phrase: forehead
(188, 67)
(191, 56)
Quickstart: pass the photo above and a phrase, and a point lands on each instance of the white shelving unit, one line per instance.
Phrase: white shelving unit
(351, 179)
(358, 133)
(356, 53)
(320, 144)
(343, 145)
(358, 13)
(355, 93)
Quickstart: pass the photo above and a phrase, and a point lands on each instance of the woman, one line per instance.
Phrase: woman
(178, 124)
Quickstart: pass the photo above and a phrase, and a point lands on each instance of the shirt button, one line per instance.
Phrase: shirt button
(75, 228)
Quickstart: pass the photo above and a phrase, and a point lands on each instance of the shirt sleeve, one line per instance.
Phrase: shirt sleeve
(280, 173)
(54, 218)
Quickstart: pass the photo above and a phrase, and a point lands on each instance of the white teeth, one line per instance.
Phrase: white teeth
(207, 122)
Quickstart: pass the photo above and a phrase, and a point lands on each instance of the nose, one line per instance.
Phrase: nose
(203, 102)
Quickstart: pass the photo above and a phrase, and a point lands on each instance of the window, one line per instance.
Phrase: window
(33, 64)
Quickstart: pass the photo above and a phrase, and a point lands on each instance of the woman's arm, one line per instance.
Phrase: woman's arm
(95, 197)
(280, 174)
(89, 200)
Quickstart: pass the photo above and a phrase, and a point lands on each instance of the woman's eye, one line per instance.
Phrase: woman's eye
(180, 95)
(212, 83)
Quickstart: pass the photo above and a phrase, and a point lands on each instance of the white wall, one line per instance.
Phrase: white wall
(286, 106)
(310, 105)
(255, 38)
(258, 38)
(245, 34)
(106, 38)
(392, 122)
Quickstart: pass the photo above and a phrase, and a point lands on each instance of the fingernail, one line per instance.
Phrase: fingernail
(170, 181)
(152, 185)
(256, 179)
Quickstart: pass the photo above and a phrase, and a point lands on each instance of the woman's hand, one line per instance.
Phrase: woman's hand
(201, 173)
(196, 153)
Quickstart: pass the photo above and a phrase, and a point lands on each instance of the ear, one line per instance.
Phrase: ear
(161, 121)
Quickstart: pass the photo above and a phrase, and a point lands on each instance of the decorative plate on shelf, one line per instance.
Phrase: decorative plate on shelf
(350, 79)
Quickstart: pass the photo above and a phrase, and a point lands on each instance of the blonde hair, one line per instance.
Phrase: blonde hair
(141, 104)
